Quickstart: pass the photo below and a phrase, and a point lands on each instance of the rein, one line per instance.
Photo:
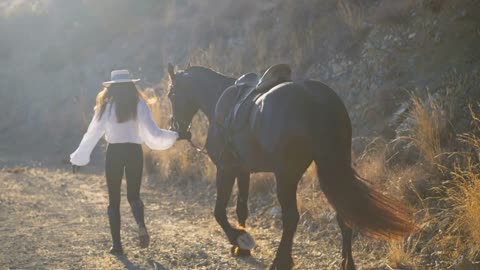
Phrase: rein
(175, 125)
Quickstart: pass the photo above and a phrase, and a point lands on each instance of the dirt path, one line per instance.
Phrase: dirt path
(51, 219)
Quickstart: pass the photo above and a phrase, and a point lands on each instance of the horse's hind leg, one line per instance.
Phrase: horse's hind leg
(287, 196)
(243, 183)
(347, 257)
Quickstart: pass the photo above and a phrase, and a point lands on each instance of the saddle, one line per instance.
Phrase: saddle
(234, 106)
(250, 88)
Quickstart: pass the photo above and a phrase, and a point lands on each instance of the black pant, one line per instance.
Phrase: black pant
(122, 157)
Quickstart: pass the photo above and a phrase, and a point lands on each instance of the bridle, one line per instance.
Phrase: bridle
(175, 125)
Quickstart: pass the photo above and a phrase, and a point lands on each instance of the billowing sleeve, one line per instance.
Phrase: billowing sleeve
(95, 131)
(153, 136)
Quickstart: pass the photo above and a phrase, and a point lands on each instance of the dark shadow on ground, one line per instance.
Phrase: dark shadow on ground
(127, 263)
(253, 262)
(156, 265)
(131, 266)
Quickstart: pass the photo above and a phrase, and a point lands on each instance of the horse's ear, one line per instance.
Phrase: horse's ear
(171, 70)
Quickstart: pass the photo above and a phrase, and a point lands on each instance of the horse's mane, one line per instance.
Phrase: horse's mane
(200, 70)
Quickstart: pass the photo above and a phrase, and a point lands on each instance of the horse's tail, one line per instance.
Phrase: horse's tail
(358, 203)
(362, 206)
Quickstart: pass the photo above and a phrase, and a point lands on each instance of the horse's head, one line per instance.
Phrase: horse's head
(184, 106)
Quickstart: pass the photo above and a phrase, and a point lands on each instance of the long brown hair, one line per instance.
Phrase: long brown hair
(125, 97)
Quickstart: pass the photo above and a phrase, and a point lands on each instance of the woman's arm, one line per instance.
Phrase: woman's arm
(95, 131)
(154, 137)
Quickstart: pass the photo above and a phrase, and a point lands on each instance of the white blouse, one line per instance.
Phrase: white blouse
(141, 130)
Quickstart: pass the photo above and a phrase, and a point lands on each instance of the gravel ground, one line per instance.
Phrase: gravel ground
(52, 219)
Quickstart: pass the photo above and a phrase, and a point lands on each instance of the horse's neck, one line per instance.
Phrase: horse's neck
(211, 94)
(207, 97)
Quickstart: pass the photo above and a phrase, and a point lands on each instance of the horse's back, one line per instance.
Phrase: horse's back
(280, 120)
(298, 114)
(298, 97)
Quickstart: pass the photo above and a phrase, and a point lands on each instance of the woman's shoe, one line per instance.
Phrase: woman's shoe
(138, 214)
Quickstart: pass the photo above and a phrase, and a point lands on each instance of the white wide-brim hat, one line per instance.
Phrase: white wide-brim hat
(120, 76)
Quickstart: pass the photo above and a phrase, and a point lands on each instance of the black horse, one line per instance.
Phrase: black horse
(288, 127)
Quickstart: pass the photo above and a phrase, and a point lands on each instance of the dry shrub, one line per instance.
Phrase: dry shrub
(401, 254)
(352, 14)
(428, 123)
(415, 183)
(404, 254)
(310, 198)
(411, 182)
(220, 56)
(463, 231)
(433, 5)
(392, 11)
(471, 139)
(258, 40)
(372, 163)
(262, 184)
(431, 122)
(462, 218)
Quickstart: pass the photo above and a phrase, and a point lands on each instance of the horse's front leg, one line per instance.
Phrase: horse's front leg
(243, 183)
(236, 236)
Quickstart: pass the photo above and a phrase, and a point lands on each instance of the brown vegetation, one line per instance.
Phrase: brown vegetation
(55, 55)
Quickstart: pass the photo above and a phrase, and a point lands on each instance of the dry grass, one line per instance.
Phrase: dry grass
(461, 221)
(392, 11)
(447, 185)
(426, 128)
(352, 14)
(431, 122)
(372, 163)
(451, 209)
(471, 139)
(463, 195)
(401, 255)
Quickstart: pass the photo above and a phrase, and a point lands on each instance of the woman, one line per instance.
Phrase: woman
(123, 116)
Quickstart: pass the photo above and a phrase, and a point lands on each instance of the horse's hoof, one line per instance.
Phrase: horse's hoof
(143, 237)
(116, 250)
(246, 241)
(239, 252)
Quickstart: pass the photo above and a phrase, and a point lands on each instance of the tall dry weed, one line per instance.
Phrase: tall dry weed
(352, 14)
(425, 131)
(463, 231)
(460, 220)
(392, 11)
(401, 254)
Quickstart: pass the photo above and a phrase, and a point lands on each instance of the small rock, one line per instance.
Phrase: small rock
(336, 68)
(412, 35)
